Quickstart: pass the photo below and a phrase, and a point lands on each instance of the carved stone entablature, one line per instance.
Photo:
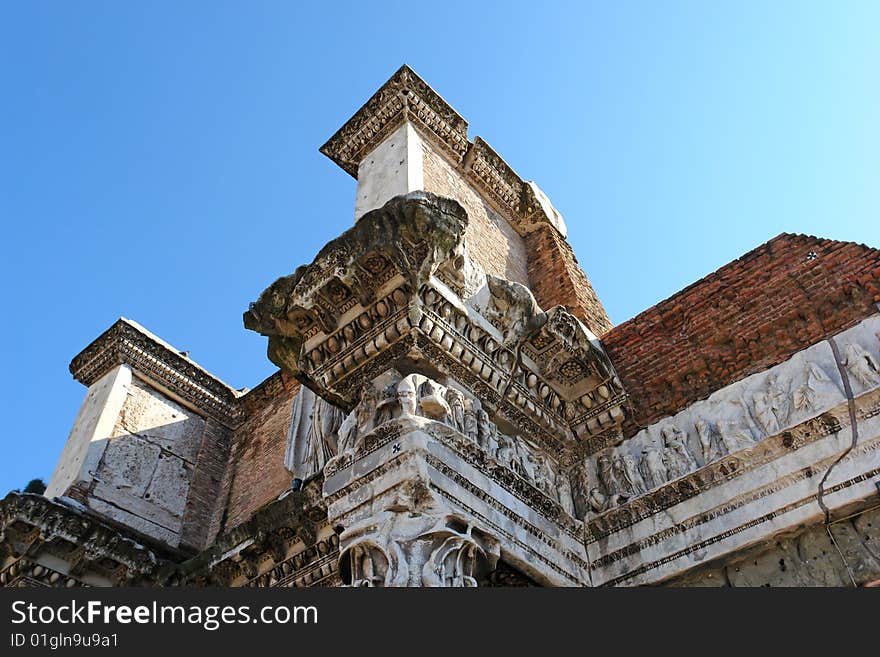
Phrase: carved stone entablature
(406, 97)
(428, 308)
(456, 420)
(28, 573)
(790, 446)
(354, 307)
(687, 449)
(413, 481)
(128, 343)
(32, 526)
(286, 543)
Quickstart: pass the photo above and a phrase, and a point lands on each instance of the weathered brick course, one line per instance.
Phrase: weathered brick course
(491, 240)
(557, 279)
(206, 501)
(749, 315)
(258, 474)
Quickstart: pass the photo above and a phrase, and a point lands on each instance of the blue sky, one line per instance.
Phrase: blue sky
(160, 160)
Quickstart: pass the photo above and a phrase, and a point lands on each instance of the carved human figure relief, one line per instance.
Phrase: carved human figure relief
(563, 490)
(296, 435)
(612, 488)
(312, 436)
(734, 436)
(388, 406)
(633, 476)
(861, 365)
(676, 440)
(520, 458)
(321, 436)
(544, 476)
(652, 467)
(471, 424)
(772, 406)
(485, 429)
(504, 454)
(432, 401)
(455, 401)
(347, 433)
(580, 491)
(406, 395)
(813, 384)
(706, 435)
(675, 467)
(621, 476)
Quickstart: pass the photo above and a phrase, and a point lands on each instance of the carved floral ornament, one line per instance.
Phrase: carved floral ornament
(416, 542)
(398, 291)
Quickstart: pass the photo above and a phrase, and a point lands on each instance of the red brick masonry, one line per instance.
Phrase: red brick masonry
(557, 280)
(751, 314)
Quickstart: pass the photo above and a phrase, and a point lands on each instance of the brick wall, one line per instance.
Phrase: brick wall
(558, 280)
(205, 502)
(749, 315)
(258, 474)
(491, 240)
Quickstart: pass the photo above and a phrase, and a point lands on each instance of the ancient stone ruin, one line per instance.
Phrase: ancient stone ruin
(454, 408)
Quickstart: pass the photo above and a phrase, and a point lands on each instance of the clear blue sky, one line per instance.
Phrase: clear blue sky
(160, 159)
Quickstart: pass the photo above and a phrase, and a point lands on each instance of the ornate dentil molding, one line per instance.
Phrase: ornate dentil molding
(128, 343)
(398, 291)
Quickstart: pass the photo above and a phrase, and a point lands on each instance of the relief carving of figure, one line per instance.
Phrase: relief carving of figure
(677, 451)
(388, 406)
(432, 401)
(348, 431)
(580, 493)
(613, 490)
(471, 425)
(504, 454)
(805, 397)
(734, 436)
(399, 400)
(544, 476)
(563, 489)
(772, 407)
(675, 466)
(861, 365)
(358, 423)
(321, 436)
(707, 444)
(520, 457)
(455, 418)
(406, 395)
(652, 468)
(485, 430)
(598, 500)
(626, 472)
